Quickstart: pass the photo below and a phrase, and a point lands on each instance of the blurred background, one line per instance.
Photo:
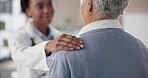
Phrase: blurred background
(67, 19)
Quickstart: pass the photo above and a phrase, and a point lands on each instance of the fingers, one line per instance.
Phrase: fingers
(63, 47)
(69, 44)
(64, 42)
(71, 41)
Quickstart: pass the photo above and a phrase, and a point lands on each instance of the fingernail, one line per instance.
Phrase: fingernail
(81, 42)
(78, 47)
(82, 46)
(72, 48)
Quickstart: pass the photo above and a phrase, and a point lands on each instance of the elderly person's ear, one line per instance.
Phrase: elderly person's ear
(89, 7)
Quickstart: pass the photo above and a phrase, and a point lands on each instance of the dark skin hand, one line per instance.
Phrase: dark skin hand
(64, 42)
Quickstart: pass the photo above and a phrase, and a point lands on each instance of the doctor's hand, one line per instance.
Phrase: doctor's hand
(64, 42)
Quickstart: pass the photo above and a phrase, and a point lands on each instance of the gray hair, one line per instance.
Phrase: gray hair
(110, 8)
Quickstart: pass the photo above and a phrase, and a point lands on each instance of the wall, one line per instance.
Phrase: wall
(135, 19)
(138, 6)
(136, 24)
(67, 10)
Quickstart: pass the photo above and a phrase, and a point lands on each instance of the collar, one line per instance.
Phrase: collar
(28, 28)
(109, 23)
(35, 29)
(45, 38)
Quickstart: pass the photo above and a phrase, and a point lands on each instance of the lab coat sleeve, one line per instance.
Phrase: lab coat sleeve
(26, 55)
(59, 67)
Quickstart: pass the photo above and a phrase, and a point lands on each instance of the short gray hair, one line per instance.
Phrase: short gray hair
(110, 8)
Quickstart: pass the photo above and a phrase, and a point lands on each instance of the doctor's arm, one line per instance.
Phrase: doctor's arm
(34, 56)
(24, 54)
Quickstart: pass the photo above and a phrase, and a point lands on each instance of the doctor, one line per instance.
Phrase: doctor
(32, 45)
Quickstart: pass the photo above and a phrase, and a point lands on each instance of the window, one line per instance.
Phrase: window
(5, 6)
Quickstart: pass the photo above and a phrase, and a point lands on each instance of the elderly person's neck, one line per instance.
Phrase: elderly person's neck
(97, 17)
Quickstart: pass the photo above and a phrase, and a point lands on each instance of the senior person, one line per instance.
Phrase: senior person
(113, 53)
(32, 45)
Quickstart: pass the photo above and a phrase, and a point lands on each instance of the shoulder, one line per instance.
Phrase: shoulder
(19, 36)
(60, 55)
(21, 33)
(67, 56)
(25, 32)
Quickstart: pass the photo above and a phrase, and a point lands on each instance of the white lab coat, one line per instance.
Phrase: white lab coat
(31, 61)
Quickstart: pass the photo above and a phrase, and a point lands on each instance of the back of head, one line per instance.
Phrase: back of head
(110, 8)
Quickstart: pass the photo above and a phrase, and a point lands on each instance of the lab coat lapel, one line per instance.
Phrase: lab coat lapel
(32, 34)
